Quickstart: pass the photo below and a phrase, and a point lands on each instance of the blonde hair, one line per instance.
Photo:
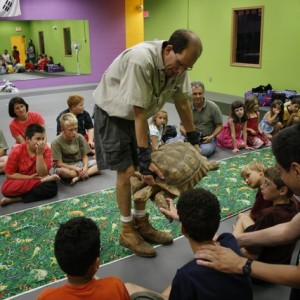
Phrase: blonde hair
(74, 100)
(67, 119)
(162, 111)
(255, 165)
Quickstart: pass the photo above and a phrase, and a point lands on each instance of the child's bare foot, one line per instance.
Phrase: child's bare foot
(53, 177)
(5, 200)
(74, 180)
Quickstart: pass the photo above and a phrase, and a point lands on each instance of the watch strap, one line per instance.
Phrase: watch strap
(247, 267)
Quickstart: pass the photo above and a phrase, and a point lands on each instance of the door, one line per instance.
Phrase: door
(19, 41)
(41, 42)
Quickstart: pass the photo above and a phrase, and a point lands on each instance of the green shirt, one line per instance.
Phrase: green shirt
(71, 151)
(208, 118)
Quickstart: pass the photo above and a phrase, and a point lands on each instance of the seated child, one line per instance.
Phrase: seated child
(253, 175)
(283, 209)
(29, 66)
(234, 132)
(77, 251)
(255, 138)
(69, 150)
(3, 150)
(291, 114)
(272, 120)
(199, 215)
(85, 123)
(27, 169)
(156, 128)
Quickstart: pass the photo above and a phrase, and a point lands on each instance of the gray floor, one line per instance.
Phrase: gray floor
(156, 272)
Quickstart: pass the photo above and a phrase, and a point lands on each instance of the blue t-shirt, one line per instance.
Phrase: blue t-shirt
(85, 122)
(198, 282)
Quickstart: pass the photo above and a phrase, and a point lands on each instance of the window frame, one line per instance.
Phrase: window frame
(67, 41)
(234, 42)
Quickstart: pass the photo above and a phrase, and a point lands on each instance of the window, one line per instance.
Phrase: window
(67, 40)
(246, 43)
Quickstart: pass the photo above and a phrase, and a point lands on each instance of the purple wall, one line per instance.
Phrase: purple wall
(107, 32)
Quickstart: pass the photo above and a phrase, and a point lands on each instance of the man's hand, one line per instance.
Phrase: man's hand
(172, 212)
(147, 168)
(149, 179)
(220, 258)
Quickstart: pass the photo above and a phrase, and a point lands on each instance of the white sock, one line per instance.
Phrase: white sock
(126, 219)
(139, 213)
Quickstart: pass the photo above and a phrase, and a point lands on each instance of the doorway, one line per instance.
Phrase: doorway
(41, 42)
(19, 41)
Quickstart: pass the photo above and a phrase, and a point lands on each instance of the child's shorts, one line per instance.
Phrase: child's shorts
(78, 164)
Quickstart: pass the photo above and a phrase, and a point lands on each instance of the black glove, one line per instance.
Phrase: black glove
(144, 160)
(193, 137)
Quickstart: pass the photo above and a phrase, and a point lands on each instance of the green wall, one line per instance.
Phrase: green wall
(212, 21)
(53, 40)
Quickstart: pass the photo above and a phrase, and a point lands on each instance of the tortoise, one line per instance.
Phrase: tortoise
(182, 166)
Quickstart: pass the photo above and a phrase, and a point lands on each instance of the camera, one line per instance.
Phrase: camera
(201, 136)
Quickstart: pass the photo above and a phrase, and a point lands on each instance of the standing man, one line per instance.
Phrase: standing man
(207, 119)
(31, 51)
(135, 86)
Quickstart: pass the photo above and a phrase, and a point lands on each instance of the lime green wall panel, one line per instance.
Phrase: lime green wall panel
(54, 42)
(212, 21)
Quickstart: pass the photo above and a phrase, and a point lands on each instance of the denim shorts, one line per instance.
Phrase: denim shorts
(115, 141)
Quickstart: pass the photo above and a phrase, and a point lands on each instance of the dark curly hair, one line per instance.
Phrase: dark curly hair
(199, 214)
(77, 245)
(286, 146)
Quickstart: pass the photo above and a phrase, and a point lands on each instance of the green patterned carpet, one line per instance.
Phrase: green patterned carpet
(26, 238)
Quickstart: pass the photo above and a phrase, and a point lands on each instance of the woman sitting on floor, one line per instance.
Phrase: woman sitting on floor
(18, 109)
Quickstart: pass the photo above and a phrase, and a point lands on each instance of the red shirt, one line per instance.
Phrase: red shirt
(19, 160)
(18, 128)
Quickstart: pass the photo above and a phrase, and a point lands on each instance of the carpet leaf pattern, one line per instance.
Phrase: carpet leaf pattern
(26, 238)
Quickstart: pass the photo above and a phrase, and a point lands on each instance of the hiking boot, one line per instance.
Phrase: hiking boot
(151, 234)
(131, 239)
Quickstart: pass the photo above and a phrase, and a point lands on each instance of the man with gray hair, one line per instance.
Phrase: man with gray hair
(207, 119)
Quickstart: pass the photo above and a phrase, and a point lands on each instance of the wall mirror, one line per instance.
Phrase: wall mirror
(246, 38)
(67, 41)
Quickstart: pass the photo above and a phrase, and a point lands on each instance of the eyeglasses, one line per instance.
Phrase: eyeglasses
(266, 184)
(179, 65)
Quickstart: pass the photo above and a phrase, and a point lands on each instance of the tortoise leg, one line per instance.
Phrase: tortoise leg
(143, 194)
(136, 183)
(213, 165)
(161, 201)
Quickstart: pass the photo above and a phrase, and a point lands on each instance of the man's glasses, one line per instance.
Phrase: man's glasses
(181, 66)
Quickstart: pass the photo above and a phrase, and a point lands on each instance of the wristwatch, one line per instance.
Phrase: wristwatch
(247, 267)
